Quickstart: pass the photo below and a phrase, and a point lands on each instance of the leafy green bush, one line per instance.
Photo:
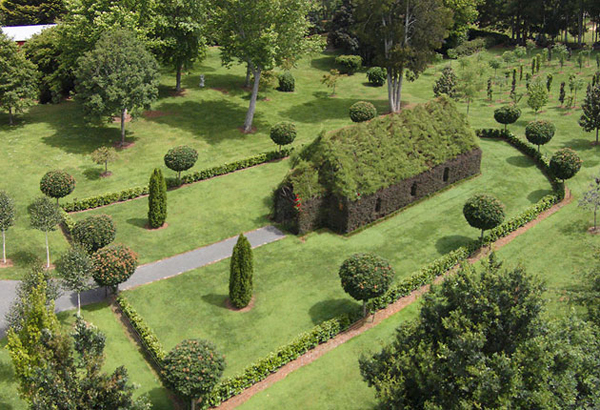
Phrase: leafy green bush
(287, 83)
(483, 212)
(348, 64)
(467, 48)
(132, 193)
(152, 345)
(283, 133)
(57, 184)
(180, 159)
(377, 76)
(241, 273)
(539, 132)
(509, 114)
(362, 111)
(565, 164)
(157, 200)
(113, 265)
(94, 232)
(446, 84)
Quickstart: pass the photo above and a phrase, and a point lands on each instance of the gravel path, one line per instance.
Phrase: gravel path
(151, 272)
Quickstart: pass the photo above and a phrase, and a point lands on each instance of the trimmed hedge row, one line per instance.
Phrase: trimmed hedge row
(136, 192)
(67, 221)
(150, 342)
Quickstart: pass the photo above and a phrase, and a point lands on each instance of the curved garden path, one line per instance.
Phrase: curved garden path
(148, 273)
(366, 324)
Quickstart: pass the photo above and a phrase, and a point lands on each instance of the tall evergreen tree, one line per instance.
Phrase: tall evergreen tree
(590, 119)
(241, 282)
(157, 200)
(30, 12)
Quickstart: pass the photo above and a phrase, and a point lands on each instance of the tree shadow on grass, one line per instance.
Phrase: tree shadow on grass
(520, 161)
(451, 242)
(25, 259)
(92, 173)
(579, 144)
(324, 107)
(6, 373)
(212, 121)
(215, 300)
(328, 309)
(138, 222)
(535, 196)
(324, 63)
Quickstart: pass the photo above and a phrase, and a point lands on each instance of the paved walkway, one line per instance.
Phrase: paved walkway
(151, 272)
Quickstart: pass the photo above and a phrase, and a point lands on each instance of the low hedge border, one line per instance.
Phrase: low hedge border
(67, 222)
(152, 346)
(136, 192)
(327, 330)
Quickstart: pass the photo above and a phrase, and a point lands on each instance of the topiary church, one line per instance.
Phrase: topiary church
(351, 177)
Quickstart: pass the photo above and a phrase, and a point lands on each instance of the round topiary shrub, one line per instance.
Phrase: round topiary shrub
(362, 111)
(348, 64)
(365, 276)
(509, 114)
(483, 212)
(57, 184)
(283, 133)
(94, 232)
(113, 265)
(377, 76)
(193, 368)
(565, 164)
(287, 83)
(180, 159)
(539, 132)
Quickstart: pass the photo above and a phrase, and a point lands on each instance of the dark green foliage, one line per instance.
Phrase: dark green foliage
(539, 132)
(57, 184)
(241, 273)
(565, 164)
(283, 133)
(44, 214)
(446, 84)
(377, 76)
(508, 114)
(590, 119)
(113, 265)
(484, 212)
(18, 78)
(467, 48)
(365, 276)
(94, 232)
(7, 211)
(480, 342)
(180, 159)
(74, 268)
(193, 368)
(157, 200)
(348, 64)
(562, 94)
(287, 83)
(490, 91)
(30, 12)
(341, 35)
(590, 294)
(362, 111)
(432, 133)
(549, 79)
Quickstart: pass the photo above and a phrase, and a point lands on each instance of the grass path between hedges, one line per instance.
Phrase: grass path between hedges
(367, 324)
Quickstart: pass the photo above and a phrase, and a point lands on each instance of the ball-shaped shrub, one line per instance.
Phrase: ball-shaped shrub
(539, 132)
(57, 184)
(283, 133)
(287, 83)
(365, 276)
(509, 114)
(377, 76)
(94, 232)
(348, 64)
(483, 212)
(114, 265)
(193, 368)
(565, 164)
(180, 159)
(362, 111)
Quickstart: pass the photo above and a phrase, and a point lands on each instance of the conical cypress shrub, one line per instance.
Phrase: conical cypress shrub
(241, 273)
(157, 201)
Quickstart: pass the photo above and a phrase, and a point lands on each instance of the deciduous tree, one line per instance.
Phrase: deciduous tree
(7, 218)
(74, 269)
(30, 12)
(590, 119)
(45, 216)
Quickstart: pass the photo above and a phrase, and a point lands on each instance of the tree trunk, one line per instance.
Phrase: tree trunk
(3, 247)
(252, 107)
(10, 116)
(395, 90)
(106, 167)
(47, 253)
(248, 75)
(481, 238)
(580, 34)
(178, 78)
(78, 304)
(597, 129)
(193, 407)
(595, 212)
(123, 114)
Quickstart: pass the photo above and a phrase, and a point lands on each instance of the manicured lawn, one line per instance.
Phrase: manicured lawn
(296, 279)
(198, 214)
(119, 351)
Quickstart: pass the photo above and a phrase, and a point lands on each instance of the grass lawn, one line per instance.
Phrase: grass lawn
(119, 351)
(296, 279)
(198, 214)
